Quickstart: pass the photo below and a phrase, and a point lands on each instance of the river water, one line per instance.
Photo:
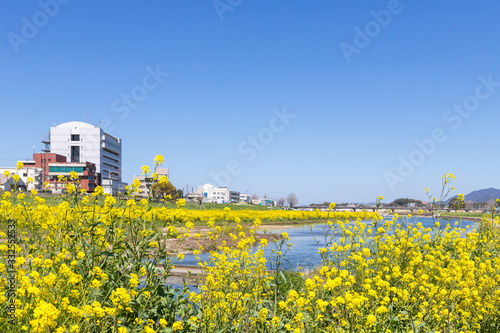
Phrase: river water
(306, 240)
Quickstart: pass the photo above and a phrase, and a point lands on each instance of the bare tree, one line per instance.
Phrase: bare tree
(254, 196)
(292, 199)
(281, 202)
(489, 204)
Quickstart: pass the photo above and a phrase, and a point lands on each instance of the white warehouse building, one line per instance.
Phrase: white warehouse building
(81, 142)
(214, 194)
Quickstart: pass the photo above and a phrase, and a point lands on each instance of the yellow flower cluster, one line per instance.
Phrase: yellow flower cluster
(246, 215)
(93, 264)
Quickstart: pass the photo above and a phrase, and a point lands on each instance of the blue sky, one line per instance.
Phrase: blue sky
(357, 83)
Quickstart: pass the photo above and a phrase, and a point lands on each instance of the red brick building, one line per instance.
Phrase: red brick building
(42, 161)
(54, 165)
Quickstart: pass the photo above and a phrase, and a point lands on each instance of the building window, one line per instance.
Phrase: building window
(75, 154)
(65, 169)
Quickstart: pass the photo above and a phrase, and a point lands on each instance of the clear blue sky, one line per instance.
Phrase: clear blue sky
(359, 100)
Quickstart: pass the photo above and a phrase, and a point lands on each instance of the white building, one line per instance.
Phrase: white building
(146, 182)
(244, 197)
(262, 202)
(82, 142)
(214, 194)
(24, 174)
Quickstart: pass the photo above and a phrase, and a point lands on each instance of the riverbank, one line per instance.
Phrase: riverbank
(203, 244)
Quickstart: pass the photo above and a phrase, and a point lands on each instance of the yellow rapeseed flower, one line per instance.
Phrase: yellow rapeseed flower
(177, 326)
(371, 320)
(158, 160)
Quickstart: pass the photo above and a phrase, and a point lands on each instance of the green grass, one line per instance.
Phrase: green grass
(50, 199)
(217, 206)
(56, 199)
(470, 214)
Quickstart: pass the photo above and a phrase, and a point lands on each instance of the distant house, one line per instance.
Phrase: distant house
(28, 171)
(7, 184)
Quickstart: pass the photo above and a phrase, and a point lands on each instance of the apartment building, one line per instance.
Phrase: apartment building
(147, 182)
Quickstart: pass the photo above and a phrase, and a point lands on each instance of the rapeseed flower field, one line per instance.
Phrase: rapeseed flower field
(96, 264)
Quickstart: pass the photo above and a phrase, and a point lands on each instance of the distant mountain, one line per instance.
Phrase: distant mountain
(482, 195)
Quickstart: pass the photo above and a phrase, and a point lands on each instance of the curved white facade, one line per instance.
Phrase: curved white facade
(81, 142)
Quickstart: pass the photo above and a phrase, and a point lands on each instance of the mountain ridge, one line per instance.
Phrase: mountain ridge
(483, 195)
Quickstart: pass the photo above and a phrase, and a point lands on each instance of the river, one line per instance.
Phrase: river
(304, 254)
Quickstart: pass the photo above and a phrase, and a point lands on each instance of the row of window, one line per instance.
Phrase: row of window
(110, 151)
(65, 169)
(111, 159)
(47, 177)
(59, 185)
(107, 143)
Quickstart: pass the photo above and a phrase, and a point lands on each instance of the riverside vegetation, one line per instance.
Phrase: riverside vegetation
(95, 264)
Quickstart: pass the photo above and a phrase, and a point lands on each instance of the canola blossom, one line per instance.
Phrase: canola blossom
(94, 263)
